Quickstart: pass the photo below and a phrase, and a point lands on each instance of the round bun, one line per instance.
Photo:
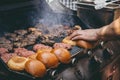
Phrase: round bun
(63, 55)
(33, 56)
(68, 41)
(44, 50)
(35, 68)
(49, 59)
(85, 44)
(17, 63)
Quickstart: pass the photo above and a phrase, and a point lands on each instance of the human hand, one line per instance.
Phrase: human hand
(87, 35)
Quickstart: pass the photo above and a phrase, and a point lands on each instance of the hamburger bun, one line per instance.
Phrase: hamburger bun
(17, 63)
(49, 59)
(85, 44)
(62, 54)
(33, 56)
(35, 68)
(68, 41)
(44, 50)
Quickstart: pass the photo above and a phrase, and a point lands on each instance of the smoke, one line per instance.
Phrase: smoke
(38, 12)
(48, 17)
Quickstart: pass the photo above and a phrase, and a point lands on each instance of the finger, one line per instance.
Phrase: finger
(83, 37)
(77, 37)
(76, 33)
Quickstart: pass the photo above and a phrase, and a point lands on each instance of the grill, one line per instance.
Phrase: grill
(84, 65)
(21, 18)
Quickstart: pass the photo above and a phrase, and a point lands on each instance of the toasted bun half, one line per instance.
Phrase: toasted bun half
(17, 63)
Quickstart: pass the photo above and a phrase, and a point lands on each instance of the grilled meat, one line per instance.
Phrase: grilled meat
(2, 51)
(19, 50)
(7, 46)
(20, 44)
(31, 37)
(10, 36)
(26, 53)
(45, 39)
(40, 47)
(21, 32)
(6, 57)
(3, 40)
(47, 35)
(32, 29)
(23, 52)
(35, 31)
(24, 43)
(16, 44)
(20, 38)
(62, 45)
(52, 34)
(53, 31)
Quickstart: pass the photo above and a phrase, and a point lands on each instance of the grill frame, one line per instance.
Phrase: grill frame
(76, 21)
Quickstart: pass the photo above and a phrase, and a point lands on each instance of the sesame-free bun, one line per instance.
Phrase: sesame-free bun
(35, 68)
(68, 41)
(17, 63)
(49, 59)
(62, 54)
(33, 56)
(85, 44)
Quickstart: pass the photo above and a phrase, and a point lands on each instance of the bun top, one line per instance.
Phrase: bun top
(49, 59)
(68, 41)
(62, 54)
(35, 68)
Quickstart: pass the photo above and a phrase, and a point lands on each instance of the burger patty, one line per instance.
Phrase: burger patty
(23, 52)
(62, 45)
(41, 46)
(3, 51)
